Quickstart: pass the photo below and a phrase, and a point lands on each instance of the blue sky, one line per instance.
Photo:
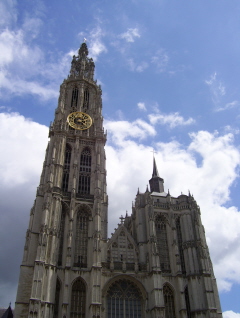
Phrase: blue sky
(170, 75)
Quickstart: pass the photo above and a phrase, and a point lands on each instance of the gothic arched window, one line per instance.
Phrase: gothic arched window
(162, 244)
(57, 297)
(124, 300)
(78, 300)
(86, 98)
(66, 168)
(180, 248)
(187, 301)
(61, 236)
(169, 302)
(85, 172)
(74, 97)
(81, 239)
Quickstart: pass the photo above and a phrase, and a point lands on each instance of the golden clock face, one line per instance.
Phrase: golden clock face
(79, 120)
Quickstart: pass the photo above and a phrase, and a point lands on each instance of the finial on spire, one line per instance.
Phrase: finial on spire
(83, 51)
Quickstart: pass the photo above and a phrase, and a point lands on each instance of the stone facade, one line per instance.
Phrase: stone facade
(156, 264)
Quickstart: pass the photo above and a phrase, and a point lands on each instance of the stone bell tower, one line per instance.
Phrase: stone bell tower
(68, 221)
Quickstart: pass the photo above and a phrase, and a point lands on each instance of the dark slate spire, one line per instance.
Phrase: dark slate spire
(156, 183)
(8, 313)
(155, 170)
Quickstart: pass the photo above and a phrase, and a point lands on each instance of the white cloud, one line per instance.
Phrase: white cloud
(130, 35)
(216, 85)
(121, 130)
(232, 130)
(160, 59)
(141, 67)
(218, 94)
(141, 106)
(20, 133)
(134, 66)
(8, 13)
(231, 314)
(233, 104)
(172, 120)
(24, 69)
(96, 45)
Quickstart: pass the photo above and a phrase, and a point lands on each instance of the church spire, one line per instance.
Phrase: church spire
(155, 170)
(156, 183)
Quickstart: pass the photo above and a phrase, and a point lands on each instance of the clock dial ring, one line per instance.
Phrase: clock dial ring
(79, 120)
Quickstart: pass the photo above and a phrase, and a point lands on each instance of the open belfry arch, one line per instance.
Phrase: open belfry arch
(156, 263)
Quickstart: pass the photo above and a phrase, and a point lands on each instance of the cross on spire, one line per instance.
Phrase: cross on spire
(153, 151)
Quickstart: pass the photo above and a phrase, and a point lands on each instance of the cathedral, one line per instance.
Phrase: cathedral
(156, 263)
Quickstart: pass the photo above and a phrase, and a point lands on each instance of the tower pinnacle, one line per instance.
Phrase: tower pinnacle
(82, 66)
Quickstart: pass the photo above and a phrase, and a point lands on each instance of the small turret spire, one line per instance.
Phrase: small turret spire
(156, 183)
(155, 170)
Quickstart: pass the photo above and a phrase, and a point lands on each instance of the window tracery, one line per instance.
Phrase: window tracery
(57, 297)
(124, 300)
(187, 301)
(122, 249)
(168, 302)
(74, 100)
(81, 239)
(78, 300)
(180, 248)
(61, 236)
(66, 168)
(162, 243)
(86, 98)
(85, 172)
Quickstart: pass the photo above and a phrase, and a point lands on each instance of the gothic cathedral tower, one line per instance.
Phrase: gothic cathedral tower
(155, 265)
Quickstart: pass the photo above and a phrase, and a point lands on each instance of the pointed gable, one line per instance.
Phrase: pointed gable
(122, 247)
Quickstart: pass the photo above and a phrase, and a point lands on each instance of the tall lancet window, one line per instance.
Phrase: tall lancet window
(78, 300)
(168, 302)
(124, 300)
(61, 236)
(180, 248)
(81, 238)
(74, 100)
(85, 172)
(86, 98)
(162, 243)
(66, 168)
(57, 297)
(188, 308)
